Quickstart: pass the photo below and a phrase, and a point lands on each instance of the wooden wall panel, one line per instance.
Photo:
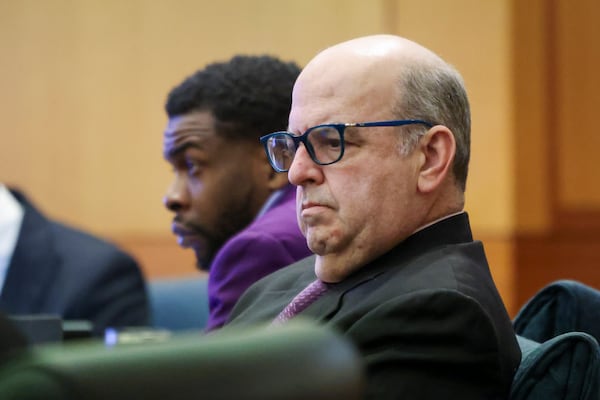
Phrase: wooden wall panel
(544, 259)
(557, 86)
(160, 256)
(475, 36)
(531, 102)
(84, 82)
(577, 85)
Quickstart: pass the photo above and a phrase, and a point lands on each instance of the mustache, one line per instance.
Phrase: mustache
(191, 227)
(306, 197)
(315, 200)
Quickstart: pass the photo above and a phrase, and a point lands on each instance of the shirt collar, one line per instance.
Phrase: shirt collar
(438, 220)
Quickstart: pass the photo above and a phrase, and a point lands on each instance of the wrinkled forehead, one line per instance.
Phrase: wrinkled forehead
(196, 128)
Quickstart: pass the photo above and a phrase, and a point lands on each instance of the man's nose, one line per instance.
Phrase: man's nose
(303, 169)
(177, 196)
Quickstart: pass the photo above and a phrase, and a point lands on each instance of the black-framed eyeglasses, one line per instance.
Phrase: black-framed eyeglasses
(324, 143)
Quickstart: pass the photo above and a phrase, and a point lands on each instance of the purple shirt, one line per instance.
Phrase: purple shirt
(270, 242)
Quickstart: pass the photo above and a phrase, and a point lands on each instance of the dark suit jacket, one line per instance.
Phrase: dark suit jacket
(56, 269)
(426, 316)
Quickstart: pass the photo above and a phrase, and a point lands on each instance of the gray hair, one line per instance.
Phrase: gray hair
(436, 93)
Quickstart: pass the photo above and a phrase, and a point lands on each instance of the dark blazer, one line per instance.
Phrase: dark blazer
(426, 316)
(56, 269)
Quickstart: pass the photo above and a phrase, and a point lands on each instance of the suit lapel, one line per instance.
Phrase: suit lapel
(451, 230)
(32, 264)
(326, 306)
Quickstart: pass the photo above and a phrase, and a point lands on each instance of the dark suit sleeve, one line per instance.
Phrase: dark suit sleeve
(116, 293)
(429, 345)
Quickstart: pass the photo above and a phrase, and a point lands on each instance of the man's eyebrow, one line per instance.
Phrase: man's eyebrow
(175, 150)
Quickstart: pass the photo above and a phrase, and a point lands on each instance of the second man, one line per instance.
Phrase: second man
(229, 206)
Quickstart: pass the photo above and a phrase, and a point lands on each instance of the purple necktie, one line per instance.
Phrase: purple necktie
(305, 298)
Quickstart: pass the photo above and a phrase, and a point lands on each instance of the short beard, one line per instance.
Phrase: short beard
(239, 219)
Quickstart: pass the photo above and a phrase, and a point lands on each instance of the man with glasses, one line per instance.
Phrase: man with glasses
(378, 146)
(229, 205)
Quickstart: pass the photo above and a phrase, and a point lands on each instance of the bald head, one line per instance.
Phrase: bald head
(382, 47)
(395, 78)
(366, 63)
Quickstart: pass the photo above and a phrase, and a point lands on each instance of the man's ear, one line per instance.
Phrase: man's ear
(438, 148)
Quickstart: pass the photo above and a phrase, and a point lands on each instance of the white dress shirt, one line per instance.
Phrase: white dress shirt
(11, 217)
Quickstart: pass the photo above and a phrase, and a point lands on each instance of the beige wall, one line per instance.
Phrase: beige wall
(475, 36)
(557, 95)
(578, 88)
(83, 84)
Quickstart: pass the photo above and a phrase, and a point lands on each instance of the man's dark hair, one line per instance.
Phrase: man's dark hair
(249, 96)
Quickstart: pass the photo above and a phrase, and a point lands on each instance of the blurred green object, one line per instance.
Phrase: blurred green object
(299, 360)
